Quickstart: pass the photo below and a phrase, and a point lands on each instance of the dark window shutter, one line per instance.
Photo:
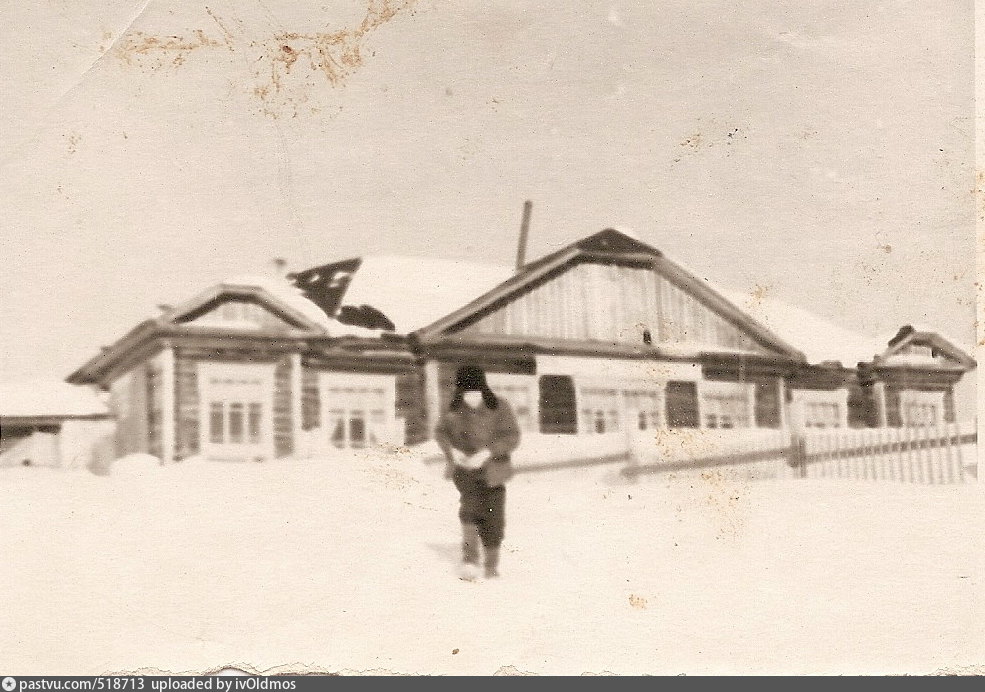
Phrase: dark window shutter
(894, 418)
(767, 404)
(682, 405)
(558, 409)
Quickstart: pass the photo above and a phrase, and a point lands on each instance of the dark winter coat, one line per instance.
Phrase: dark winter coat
(474, 430)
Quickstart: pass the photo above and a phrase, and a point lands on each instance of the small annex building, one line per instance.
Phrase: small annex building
(53, 424)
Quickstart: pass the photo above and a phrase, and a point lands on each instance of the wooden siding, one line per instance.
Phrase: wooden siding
(240, 314)
(949, 413)
(310, 400)
(283, 421)
(613, 304)
(767, 413)
(187, 392)
(411, 406)
(186, 405)
(128, 401)
(863, 412)
(894, 416)
(155, 412)
(894, 411)
(446, 388)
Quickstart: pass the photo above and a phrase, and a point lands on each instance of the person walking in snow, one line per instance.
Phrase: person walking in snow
(477, 434)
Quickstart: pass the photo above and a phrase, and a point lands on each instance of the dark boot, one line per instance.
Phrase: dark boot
(492, 562)
(470, 544)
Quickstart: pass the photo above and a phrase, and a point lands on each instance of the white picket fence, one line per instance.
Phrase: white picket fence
(923, 454)
(927, 454)
(751, 453)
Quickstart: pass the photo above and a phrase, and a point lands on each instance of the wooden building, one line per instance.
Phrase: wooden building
(52, 424)
(606, 334)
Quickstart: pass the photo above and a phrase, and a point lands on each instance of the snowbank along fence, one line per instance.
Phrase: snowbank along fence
(924, 454)
(919, 454)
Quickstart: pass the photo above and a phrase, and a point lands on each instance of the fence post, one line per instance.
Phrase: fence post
(631, 469)
(958, 452)
(798, 454)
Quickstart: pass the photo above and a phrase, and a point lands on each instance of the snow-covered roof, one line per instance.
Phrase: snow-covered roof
(416, 291)
(49, 398)
(817, 338)
(918, 333)
(286, 293)
(927, 329)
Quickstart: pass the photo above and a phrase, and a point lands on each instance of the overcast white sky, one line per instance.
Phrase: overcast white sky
(820, 150)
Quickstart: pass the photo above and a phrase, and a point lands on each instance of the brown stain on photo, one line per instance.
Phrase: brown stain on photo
(74, 139)
(159, 52)
(705, 139)
(290, 62)
(286, 67)
(637, 602)
(759, 293)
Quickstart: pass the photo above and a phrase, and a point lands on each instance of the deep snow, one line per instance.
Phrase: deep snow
(348, 564)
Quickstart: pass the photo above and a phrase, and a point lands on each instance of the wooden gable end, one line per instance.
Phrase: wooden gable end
(920, 354)
(239, 313)
(627, 303)
(924, 349)
(923, 354)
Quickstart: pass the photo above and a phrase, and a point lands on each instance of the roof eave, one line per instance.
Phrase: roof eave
(93, 370)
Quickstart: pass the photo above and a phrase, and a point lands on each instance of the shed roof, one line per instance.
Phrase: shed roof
(50, 398)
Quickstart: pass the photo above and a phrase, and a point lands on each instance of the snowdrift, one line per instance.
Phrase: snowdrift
(346, 563)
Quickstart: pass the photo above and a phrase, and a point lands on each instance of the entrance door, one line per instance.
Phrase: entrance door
(236, 414)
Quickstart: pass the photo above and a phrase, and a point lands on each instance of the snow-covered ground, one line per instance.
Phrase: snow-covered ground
(348, 564)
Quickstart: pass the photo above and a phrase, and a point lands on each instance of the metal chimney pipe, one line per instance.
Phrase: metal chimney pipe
(521, 250)
(279, 267)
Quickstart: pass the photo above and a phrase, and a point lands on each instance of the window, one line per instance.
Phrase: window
(235, 422)
(920, 415)
(820, 414)
(236, 313)
(236, 413)
(682, 405)
(599, 410)
(726, 405)
(240, 311)
(725, 410)
(558, 412)
(643, 409)
(357, 412)
(518, 391)
(918, 350)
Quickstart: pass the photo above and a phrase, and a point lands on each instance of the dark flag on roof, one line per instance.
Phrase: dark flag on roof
(325, 286)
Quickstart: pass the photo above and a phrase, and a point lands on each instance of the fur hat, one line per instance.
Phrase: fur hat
(470, 377)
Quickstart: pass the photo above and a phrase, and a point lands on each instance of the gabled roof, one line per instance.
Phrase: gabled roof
(410, 292)
(276, 294)
(893, 352)
(615, 246)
